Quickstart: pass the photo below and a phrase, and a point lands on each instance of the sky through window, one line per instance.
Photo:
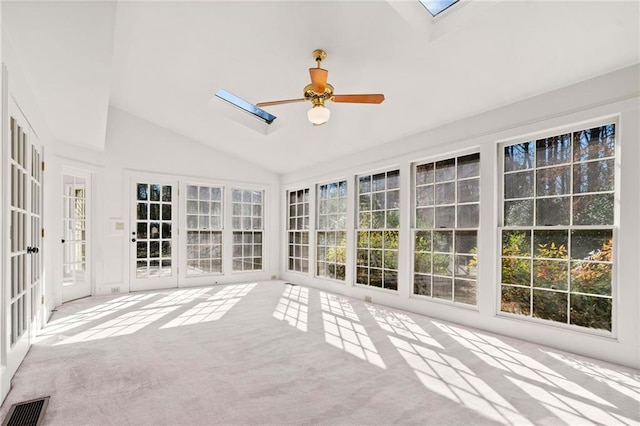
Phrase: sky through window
(437, 6)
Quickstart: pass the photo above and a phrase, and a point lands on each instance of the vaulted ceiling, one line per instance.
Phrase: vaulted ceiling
(164, 60)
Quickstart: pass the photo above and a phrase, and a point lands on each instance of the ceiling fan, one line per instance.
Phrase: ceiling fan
(319, 92)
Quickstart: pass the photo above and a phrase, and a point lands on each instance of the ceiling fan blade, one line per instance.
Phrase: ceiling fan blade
(360, 99)
(318, 79)
(286, 101)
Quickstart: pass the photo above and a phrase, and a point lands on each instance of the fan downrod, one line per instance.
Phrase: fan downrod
(319, 55)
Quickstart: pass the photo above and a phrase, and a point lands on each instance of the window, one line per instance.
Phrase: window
(332, 233)
(245, 106)
(299, 230)
(558, 220)
(247, 229)
(447, 201)
(204, 229)
(378, 223)
(437, 6)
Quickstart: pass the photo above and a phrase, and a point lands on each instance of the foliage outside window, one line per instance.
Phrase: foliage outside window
(331, 234)
(447, 200)
(247, 206)
(299, 230)
(557, 238)
(378, 223)
(204, 229)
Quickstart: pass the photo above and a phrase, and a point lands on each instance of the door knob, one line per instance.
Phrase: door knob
(133, 240)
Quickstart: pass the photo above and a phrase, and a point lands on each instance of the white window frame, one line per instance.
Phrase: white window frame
(298, 227)
(455, 229)
(570, 128)
(382, 230)
(340, 227)
(244, 228)
(210, 228)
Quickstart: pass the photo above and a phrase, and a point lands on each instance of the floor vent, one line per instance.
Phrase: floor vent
(29, 413)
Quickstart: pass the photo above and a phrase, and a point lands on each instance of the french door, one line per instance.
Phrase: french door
(76, 274)
(23, 306)
(154, 236)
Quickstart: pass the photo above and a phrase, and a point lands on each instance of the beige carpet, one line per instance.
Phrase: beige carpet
(273, 353)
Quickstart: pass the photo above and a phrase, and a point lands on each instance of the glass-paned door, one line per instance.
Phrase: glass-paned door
(23, 297)
(154, 234)
(35, 237)
(76, 276)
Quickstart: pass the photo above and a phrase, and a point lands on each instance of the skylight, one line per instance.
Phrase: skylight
(245, 106)
(437, 6)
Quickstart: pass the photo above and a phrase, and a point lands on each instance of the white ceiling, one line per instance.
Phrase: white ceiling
(164, 60)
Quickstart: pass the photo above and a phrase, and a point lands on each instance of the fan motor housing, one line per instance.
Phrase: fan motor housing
(311, 95)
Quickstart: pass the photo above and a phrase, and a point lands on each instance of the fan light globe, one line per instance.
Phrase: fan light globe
(318, 115)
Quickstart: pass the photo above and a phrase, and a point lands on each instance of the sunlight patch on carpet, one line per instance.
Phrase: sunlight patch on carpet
(342, 331)
(292, 307)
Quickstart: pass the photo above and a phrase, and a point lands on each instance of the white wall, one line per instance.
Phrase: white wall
(615, 95)
(137, 147)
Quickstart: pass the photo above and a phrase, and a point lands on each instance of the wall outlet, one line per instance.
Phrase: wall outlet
(367, 299)
(115, 290)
